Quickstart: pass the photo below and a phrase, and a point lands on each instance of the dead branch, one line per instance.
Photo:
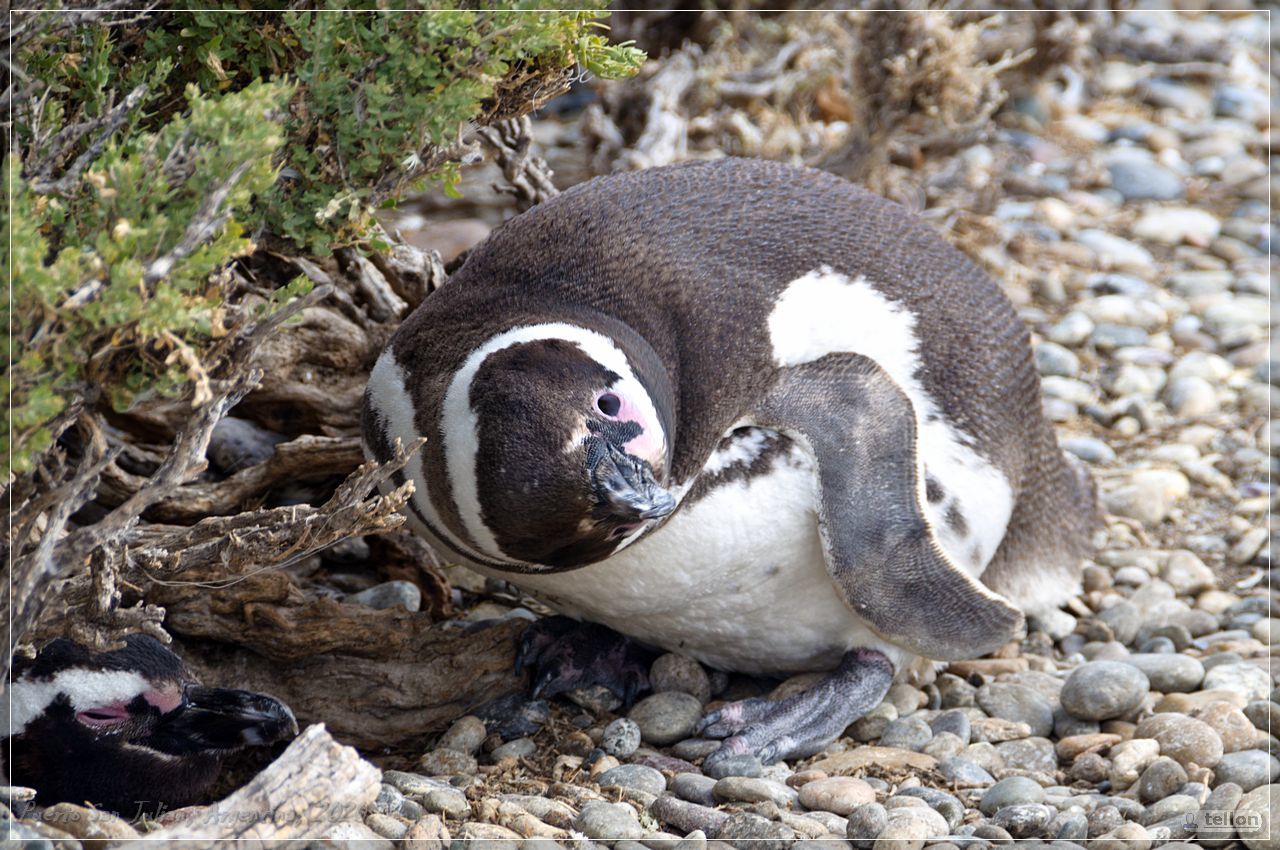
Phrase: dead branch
(108, 124)
(412, 273)
(314, 784)
(526, 173)
(202, 227)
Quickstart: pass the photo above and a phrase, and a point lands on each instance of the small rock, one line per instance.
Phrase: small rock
(1184, 739)
(465, 735)
(752, 832)
(906, 733)
(666, 717)
(1054, 359)
(1186, 573)
(447, 762)
(1089, 449)
(865, 825)
(634, 776)
(1249, 769)
(839, 794)
(963, 773)
(1140, 178)
(1129, 836)
(1149, 495)
(621, 737)
(1115, 251)
(612, 821)
(1162, 777)
(1017, 703)
(1011, 791)
(87, 824)
(674, 672)
(1213, 826)
(1168, 672)
(1172, 225)
(1130, 758)
(1231, 724)
(1260, 803)
(1191, 397)
(685, 816)
(237, 444)
(1023, 821)
(1101, 690)
(1249, 681)
(910, 828)
(385, 825)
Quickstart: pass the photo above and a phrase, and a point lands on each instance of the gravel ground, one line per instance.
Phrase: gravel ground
(1137, 249)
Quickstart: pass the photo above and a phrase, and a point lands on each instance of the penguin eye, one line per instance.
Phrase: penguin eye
(609, 404)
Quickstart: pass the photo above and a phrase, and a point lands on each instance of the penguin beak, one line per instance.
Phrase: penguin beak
(625, 488)
(223, 719)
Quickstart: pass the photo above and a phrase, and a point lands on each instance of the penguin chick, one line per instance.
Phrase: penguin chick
(130, 730)
(745, 412)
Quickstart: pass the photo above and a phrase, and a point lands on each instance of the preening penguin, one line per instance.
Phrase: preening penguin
(746, 412)
(129, 730)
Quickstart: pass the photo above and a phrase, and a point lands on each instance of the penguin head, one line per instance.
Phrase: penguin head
(128, 728)
(570, 452)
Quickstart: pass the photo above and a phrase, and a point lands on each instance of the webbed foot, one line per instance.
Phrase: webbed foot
(566, 654)
(804, 723)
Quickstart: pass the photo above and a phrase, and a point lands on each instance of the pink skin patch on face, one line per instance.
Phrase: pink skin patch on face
(167, 697)
(104, 716)
(649, 444)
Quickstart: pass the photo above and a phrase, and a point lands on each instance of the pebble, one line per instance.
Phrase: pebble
(1186, 573)
(1172, 225)
(963, 773)
(1023, 821)
(1261, 803)
(447, 762)
(1184, 739)
(747, 831)
(388, 595)
(865, 825)
(910, 828)
(741, 765)
(1248, 680)
(667, 717)
(1232, 725)
(906, 733)
(601, 820)
(1018, 703)
(1011, 791)
(1163, 777)
(839, 794)
(1149, 496)
(1248, 768)
(686, 816)
(1100, 690)
(674, 672)
(621, 737)
(1115, 251)
(635, 776)
(237, 444)
(1090, 450)
(1168, 671)
(694, 787)
(746, 789)
(1140, 178)
(464, 735)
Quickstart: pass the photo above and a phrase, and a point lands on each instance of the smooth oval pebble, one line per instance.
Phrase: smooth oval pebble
(666, 717)
(1101, 690)
(1010, 791)
(621, 737)
(1184, 739)
(865, 825)
(1260, 804)
(839, 794)
(635, 776)
(1168, 672)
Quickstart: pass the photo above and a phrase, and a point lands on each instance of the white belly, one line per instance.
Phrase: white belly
(736, 580)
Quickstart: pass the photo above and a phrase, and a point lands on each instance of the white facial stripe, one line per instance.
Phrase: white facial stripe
(825, 312)
(461, 426)
(85, 688)
(395, 409)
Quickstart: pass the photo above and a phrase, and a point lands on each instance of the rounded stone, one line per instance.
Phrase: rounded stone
(1018, 703)
(1168, 672)
(1023, 821)
(443, 761)
(621, 737)
(695, 788)
(740, 765)
(1260, 804)
(1191, 397)
(910, 828)
(465, 735)
(1246, 679)
(1101, 690)
(906, 733)
(865, 825)
(954, 721)
(516, 748)
(612, 821)
(1163, 777)
(1010, 791)
(666, 717)
(965, 773)
(674, 672)
(1184, 739)
(1140, 178)
(1231, 724)
(1249, 769)
(839, 794)
(635, 776)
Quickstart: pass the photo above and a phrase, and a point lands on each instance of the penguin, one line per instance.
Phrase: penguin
(742, 411)
(130, 730)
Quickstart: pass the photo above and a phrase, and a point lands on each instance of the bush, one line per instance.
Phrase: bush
(156, 149)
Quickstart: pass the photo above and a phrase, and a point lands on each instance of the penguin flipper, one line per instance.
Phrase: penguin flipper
(880, 548)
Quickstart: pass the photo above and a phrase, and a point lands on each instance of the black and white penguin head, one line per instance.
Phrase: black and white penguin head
(554, 451)
(127, 728)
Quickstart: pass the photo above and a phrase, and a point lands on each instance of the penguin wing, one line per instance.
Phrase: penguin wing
(880, 548)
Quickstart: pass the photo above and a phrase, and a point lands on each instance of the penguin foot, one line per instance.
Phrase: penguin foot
(804, 723)
(566, 654)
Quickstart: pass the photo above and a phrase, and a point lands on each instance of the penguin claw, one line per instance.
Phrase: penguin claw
(804, 723)
(565, 654)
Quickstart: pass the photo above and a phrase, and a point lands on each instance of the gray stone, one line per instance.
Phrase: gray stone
(1031, 754)
(1017, 703)
(636, 776)
(1260, 802)
(964, 773)
(517, 748)
(389, 594)
(865, 825)
(1174, 806)
(612, 821)
(1089, 449)
(1183, 739)
(906, 733)
(1124, 619)
(674, 672)
(1011, 791)
(1169, 672)
(1139, 178)
(1054, 359)
(237, 444)
(666, 717)
(1214, 827)
(1173, 225)
(746, 789)
(621, 737)
(694, 787)
(752, 832)
(1163, 777)
(953, 721)
(1248, 768)
(1246, 679)
(1101, 690)
(1023, 821)
(1191, 397)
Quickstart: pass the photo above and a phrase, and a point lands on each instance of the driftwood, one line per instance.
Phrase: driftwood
(315, 784)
